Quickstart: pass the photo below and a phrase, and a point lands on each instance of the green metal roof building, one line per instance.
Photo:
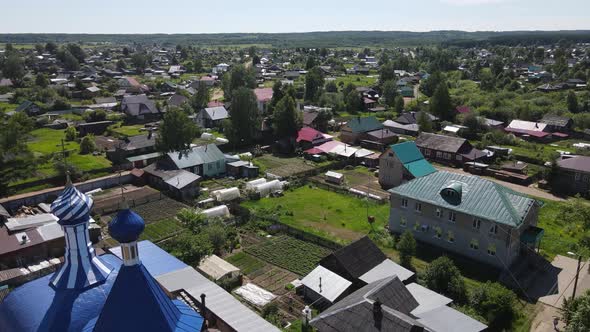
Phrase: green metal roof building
(402, 161)
(467, 214)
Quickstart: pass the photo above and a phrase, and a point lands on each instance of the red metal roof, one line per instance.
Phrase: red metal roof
(313, 151)
(263, 94)
(308, 134)
(463, 109)
(539, 134)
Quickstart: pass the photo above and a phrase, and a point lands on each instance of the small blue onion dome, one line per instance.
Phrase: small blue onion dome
(126, 226)
(71, 207)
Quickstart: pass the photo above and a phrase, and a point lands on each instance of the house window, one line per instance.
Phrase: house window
(426, 152)
(209, 166)
(418, 207)
(450, 237)
(476, 224)
(452, 216)
(494, 229)
(403, 222)
(492, 250)
(439, 154)
(391, 154)
(439, 213)
(458, 157)
(447, 156)
(424, 228)
(404, 202)
(577, 176)
(438, 232)
(474, 244)
(218, 164)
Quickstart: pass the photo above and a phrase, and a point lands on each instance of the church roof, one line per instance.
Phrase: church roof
(71, 206)
(35, 306)
(126, 226)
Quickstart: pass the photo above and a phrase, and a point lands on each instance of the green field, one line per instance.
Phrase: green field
(291, 254)
(247, 263)
(559, 237)
(357, 80)
(325, 213)
(47, 142)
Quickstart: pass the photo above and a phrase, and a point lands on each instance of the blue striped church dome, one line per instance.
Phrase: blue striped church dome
(126, 226)
(71, 207)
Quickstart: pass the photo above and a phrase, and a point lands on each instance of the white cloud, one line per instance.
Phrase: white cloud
(471, 2)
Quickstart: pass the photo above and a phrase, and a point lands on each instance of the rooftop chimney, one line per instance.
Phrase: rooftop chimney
(377, 314)
(203, 306)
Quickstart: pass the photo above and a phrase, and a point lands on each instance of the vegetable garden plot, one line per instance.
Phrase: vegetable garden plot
(295, 255)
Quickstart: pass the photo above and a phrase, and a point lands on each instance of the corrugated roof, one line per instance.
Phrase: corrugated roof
(216, 113)
(450, 320)
(407, 152)
(332, 285)
(216, 267)
(363, 125)
(385, 269)
(427, 299)
(220, 302)
(197, 156)
(480, 197)
(440, 142)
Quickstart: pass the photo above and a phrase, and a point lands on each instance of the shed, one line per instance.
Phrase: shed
(217, 268)
(334, 177)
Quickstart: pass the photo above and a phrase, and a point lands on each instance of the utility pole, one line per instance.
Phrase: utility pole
(577, 275)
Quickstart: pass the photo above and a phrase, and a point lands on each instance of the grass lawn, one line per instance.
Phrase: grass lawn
(358, 80)
(6, 107)
(282, 166)
(247, 263)
(559, 237)
(325, 213)
(161, 229)
(46, 141)
(132, 130)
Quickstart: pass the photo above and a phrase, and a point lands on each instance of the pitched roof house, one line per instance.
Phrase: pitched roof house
(355, 128)
(212, 116)
(402, 162)
(556, 123)
(140, 107)
(447, 149)
(206, 160)
(263, 97)
(574, 175)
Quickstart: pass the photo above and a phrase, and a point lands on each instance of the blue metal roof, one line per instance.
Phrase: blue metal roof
(126, 226)
(36, 306)
(137, 303)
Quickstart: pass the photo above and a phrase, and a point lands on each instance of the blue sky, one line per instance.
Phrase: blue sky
(198, 16)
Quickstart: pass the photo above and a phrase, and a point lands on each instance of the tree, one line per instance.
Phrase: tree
(190, 248)
(310, 63)
(407, 248)
(399, 104)
(70, 62)
(424, 123)
(95, 116)
(497, 66)
(198, 66)
(14, 68)
(71, 133)
(386, 72)
(139, 61)
(431, 83)
(496, 303)
(192, 219)
(314, 81)
(353, 102)
(322, 120)
(287, 120)
(572, 102)
(201, 97)
(474, 125)
(238, 77)
(442, 276)
(176, 132)
(217, 236)
(16, 160)
(121, 64)
(241, 127)
(77, 52)
(331, 87)
(390, 92)
(41, 81)
(87, 144)
(440, 103)
(277, 95)
(50, 48)
(576, 313)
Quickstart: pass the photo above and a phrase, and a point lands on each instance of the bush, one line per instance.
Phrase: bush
(87, 144)
(71, 133)
(407, 248)
(496, 303)
(442, 276)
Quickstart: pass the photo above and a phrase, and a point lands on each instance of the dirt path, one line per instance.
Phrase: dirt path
(532, 191)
